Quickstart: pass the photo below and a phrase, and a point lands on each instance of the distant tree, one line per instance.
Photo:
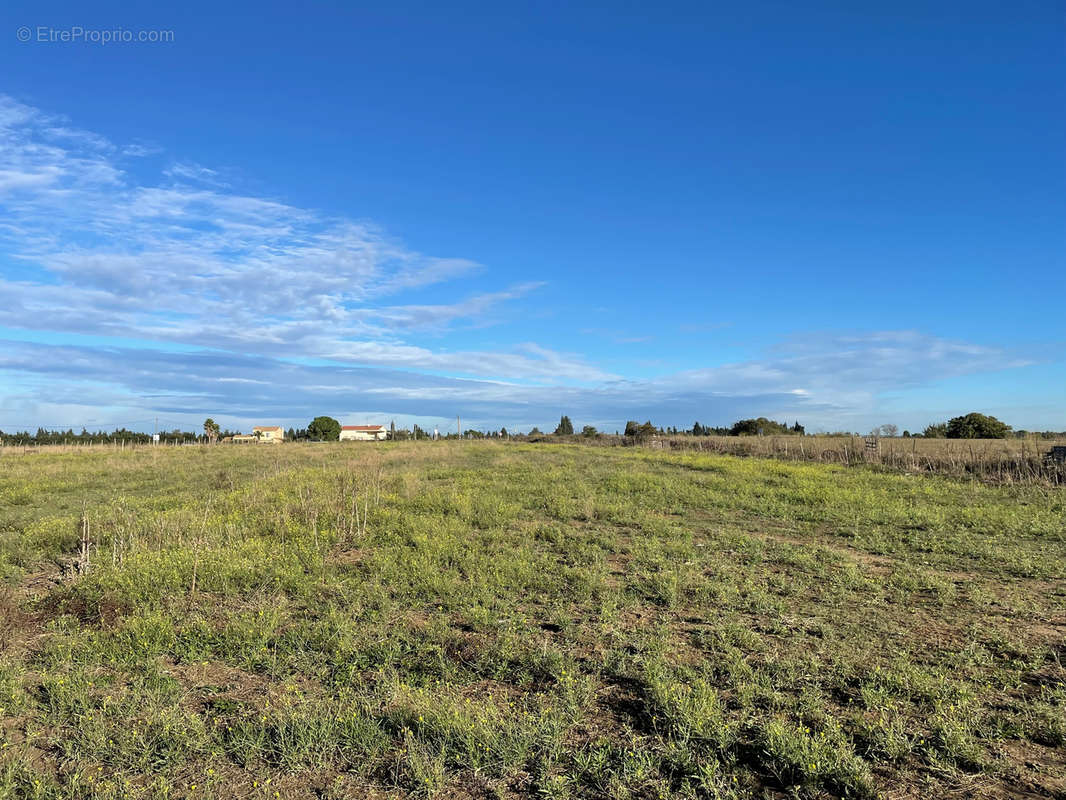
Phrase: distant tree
(697, 429)
(325, 428)
(977, 426)
(535, 431)
(211, 429)
(645, 431)
(755, 427)
(745, 427)
(759, 427)
(290, 434)
(565, 427)
(632, 428)
(906, 434)
(503, 433)
(937, 431)
(889, 430)
(589, 431)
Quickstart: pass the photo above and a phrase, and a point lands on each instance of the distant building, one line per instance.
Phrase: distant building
(269, 433)
(363, 433)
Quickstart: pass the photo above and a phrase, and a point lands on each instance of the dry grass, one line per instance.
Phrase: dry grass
(1004, 461)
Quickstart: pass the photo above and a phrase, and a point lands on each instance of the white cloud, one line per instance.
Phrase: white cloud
(140, 150)
(805, 387)
(191, 261)
(195, 172)
(187, 262)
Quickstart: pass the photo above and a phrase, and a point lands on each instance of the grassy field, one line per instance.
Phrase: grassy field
(483, 619)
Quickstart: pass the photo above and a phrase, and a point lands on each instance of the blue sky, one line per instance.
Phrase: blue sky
(832, 213)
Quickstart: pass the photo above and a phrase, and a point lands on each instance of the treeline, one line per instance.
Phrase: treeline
(117, 436)
(760, 426)
(967, 426)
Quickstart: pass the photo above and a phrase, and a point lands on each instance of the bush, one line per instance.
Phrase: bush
(762, 427)
(977, 426)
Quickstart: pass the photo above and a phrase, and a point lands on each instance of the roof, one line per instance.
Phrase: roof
(362, 427)
(267, 428)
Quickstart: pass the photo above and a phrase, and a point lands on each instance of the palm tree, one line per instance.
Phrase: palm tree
(211, 430)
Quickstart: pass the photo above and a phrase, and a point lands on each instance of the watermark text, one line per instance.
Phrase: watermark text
(77, 34)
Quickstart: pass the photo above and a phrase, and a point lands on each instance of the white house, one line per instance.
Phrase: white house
(363, 433)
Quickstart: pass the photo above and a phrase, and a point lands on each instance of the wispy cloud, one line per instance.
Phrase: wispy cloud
(196, 173)
(831, 382)
(140, 149)
(189, 260)
(248, 306)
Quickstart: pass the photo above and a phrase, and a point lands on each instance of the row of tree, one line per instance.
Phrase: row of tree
(967, 426)
(43, 436)
(745, 427)
(324, 428)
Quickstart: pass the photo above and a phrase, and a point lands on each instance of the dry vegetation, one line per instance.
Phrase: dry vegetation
(1003, 461)
(500, 620)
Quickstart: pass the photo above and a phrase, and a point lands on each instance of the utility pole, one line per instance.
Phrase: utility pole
(458, 426)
